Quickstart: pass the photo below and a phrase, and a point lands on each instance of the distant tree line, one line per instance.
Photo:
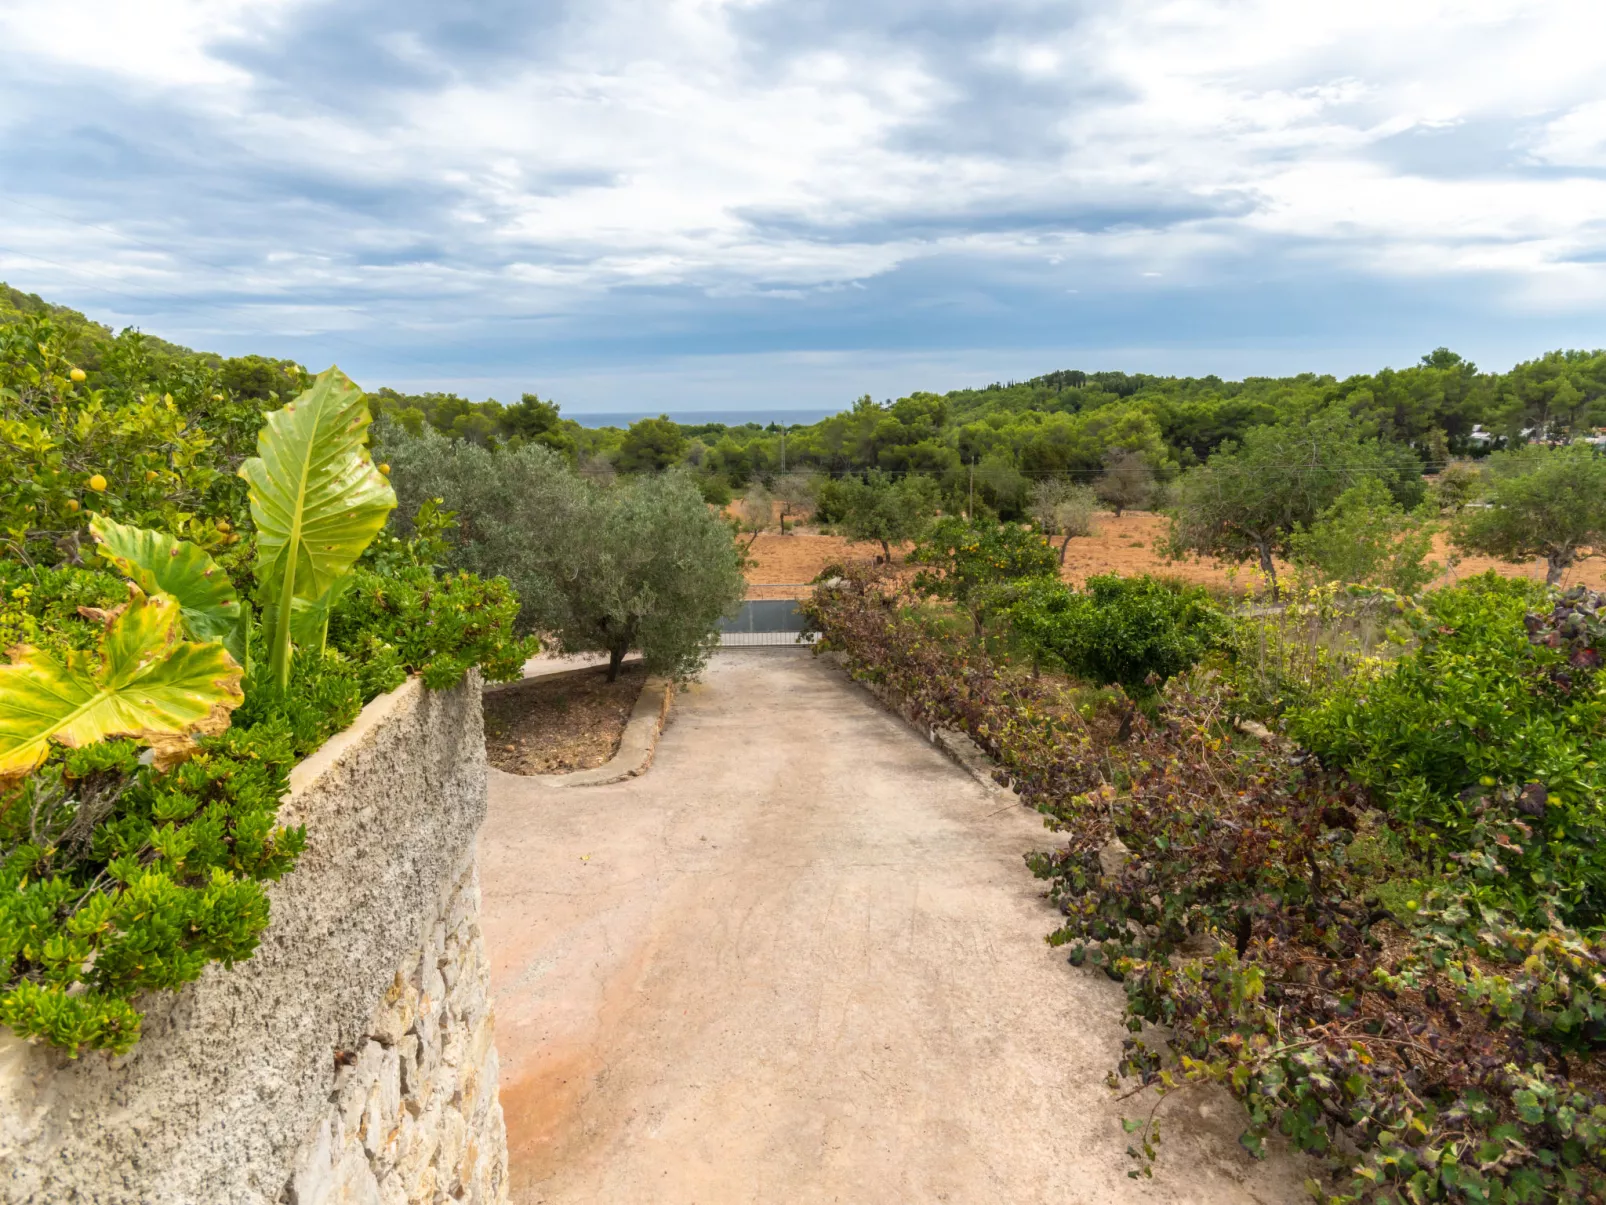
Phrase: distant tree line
(1249, 470)
(1124, 434)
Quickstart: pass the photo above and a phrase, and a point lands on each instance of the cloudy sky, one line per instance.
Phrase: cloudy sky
(705, 204)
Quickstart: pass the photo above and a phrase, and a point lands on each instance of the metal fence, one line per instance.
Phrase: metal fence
(765, 623)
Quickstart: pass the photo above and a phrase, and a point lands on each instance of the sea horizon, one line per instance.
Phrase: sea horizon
(695, 418)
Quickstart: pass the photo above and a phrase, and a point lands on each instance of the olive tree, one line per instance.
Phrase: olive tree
(1542, 502)
(1062, 510)
(1127, 481)
(887, 511)
(755, 513)
(797, 494)
(516, 508)
(640, 563)
(1248, 499)
(654, 571)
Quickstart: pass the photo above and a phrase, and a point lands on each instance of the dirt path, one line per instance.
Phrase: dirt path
(800, 960)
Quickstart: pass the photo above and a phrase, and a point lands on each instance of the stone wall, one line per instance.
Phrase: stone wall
(414, 1115)
(351, 1059)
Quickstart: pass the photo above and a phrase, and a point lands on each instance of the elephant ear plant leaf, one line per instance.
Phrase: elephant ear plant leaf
(161, 564)
(145, 683)
(317, 502)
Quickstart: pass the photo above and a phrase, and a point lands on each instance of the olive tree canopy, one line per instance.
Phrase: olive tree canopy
(1245, 503)
(640, 563)
(1543, 502)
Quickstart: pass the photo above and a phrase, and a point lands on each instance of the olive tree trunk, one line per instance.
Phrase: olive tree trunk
(616, 658)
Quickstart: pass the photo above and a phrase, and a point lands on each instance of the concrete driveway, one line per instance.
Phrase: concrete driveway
(800, 960)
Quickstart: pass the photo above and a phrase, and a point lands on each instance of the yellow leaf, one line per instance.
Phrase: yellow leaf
(144, 684)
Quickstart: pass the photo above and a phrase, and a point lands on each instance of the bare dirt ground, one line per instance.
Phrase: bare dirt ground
(800, 960)
(1126, 545)
(560, 722)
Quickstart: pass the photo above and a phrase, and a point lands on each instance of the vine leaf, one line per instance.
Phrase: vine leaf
(317, 502)
(144, 683)
(162, 564)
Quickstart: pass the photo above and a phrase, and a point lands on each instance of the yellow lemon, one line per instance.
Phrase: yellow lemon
(385, 469)
(150, 474)
(97, 483)
(222, 524)
(72, 503)
(78, 376)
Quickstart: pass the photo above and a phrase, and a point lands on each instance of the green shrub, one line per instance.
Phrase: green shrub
(1320, 638)
(117, 880)
(1367, 538)
(1134, 632)
(1483, 719)
(716, 491)
(439, 627)
(124, 872)
(1441, 1052)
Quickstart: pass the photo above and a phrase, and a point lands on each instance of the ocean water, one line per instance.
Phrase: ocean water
(731, 418)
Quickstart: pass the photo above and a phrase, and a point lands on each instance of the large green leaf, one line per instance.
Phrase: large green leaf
(309, 619)
(143, 683)
(317, 501)
(162, 564)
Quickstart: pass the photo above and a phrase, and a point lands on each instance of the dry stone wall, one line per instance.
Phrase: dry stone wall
(414, 1116)
(352, 1058)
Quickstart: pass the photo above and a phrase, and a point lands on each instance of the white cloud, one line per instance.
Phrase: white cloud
(711, 145)
(1575, 139)
(159, 43)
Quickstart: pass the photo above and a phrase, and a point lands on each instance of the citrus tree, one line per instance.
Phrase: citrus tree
(967, 559)
(1132, 632)
(72, 447)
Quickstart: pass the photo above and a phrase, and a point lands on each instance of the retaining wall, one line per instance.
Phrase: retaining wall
(351, 1059)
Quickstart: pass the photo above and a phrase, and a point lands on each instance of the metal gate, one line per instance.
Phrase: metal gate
(765, 623)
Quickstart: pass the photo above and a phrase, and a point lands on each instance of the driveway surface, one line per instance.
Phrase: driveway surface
(800, 960)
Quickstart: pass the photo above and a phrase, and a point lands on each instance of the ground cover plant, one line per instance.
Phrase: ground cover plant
(153, 708)
(1389, 1003)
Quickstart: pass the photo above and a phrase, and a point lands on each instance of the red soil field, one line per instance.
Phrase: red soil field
(1126, 545)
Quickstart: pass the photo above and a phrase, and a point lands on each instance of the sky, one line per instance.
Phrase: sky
(718, 204)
